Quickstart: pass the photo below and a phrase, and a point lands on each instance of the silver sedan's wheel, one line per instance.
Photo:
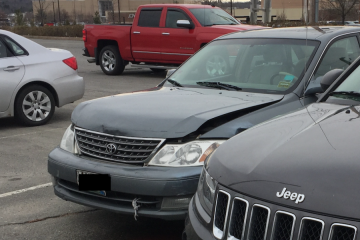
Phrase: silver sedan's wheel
(36, 106)
(216, 65)
(108, 60)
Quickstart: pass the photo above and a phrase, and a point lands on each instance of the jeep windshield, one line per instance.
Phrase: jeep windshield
(252, 65)
(213, 16)
(348, 93)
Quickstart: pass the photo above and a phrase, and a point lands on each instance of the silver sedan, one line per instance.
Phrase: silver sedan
(35, 79)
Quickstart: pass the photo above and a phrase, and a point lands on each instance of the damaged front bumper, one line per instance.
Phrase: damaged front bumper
(162, 192)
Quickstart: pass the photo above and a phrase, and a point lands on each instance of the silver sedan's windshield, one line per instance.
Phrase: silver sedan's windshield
(259, 65)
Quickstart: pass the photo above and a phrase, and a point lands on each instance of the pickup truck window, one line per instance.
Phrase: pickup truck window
(149, 18)
(213, 16)
(173, 16)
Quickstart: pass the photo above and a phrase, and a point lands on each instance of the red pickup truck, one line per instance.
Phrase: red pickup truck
(162, 36)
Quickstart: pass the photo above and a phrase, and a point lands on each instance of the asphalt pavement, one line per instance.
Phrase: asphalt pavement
(37, 213)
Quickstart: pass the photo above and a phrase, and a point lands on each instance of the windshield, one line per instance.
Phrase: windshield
(349, 89)
(213, 16)
(257, 65)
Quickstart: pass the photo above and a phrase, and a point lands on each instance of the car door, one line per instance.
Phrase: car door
(145, 35)
(177, 43)
(339, 55)
(11, 70)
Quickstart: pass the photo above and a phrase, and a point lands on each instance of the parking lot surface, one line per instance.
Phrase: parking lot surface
(37, 213)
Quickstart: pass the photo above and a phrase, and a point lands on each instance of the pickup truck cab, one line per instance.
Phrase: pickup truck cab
(161, 36)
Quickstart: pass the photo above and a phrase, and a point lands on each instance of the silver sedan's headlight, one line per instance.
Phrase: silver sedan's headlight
(206, 191)
(182, 155)
(68, 140)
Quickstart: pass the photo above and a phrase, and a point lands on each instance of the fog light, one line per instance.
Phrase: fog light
(175, 203)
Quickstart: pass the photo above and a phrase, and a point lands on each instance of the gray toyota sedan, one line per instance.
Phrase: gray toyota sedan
(142, 153)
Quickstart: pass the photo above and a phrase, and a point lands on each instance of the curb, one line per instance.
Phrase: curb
(54, 38)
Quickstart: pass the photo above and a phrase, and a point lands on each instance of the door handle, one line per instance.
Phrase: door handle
(165, 33)
(136, 32)
(11, 68)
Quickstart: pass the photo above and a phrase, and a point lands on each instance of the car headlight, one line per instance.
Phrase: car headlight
(68, 140)
(182, 155)
(206, 191)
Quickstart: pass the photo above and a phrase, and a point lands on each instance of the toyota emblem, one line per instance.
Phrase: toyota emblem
(111, 148)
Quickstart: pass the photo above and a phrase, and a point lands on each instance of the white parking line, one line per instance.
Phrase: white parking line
(18, 135)
(25, 190)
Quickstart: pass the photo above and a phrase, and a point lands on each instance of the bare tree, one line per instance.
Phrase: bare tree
(41, 6)
(341, 7)
(2, 14)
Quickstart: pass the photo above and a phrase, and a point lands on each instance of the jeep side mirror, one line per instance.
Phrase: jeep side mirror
(185, 24)
(329, 78)
(170, 72)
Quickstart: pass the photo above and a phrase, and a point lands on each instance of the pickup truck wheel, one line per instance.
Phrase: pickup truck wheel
(157, 70)
(111, 62)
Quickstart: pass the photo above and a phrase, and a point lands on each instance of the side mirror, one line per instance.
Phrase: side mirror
(170, 72)
(185, 24)
(329, 78)
(314, 87)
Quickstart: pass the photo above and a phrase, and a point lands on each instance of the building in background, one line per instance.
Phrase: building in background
(85, 9)
(290, 9)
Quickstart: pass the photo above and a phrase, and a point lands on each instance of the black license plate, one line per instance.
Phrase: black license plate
(94, 182)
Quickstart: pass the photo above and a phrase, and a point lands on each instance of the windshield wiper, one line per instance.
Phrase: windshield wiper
(346, 93)
(175, 83)
(219, 85)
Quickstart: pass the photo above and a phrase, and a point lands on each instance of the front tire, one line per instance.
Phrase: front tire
(34, 106)
(111, 62)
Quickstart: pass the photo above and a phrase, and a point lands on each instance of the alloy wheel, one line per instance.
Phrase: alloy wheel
(36, 106)
(108, 60)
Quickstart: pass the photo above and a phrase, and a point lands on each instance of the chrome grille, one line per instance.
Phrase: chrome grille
(259, 222)
(127, 149)
(283, 224)
(221, 211)
(283, 228)
(238, 218)
(311, 229)
(342, 232)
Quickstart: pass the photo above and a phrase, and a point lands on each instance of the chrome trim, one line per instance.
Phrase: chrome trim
(292, 228)
(311, 219)
(230, 237)
(151, 155)
(320, 58)
(165, 33)
(219, 234)
(341, 225)
(267, 221)
(136, 32)
(181, 54)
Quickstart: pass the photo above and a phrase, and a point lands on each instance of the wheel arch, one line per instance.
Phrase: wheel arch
(43, 84)
(103, 43)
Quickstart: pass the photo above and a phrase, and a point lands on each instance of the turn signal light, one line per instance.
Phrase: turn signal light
(71, 62)
(84, 32)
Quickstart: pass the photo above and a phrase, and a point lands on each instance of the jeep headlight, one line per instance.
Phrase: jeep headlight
(206, 191)
(68, 140)
(182, 155)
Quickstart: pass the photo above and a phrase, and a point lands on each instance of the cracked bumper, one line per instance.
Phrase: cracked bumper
(152, 184)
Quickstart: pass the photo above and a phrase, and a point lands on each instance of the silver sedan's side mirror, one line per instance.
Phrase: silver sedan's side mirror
(185, 24)
(170, 72)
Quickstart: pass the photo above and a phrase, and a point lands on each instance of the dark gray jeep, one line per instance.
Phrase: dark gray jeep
(152, 144)
(294, 177)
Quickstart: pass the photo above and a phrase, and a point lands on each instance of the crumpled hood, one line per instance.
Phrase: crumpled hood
(165, 113)
(317, 156)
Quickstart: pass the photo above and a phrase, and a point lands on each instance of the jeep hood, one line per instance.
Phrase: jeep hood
(163, 113)
(314, 154)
